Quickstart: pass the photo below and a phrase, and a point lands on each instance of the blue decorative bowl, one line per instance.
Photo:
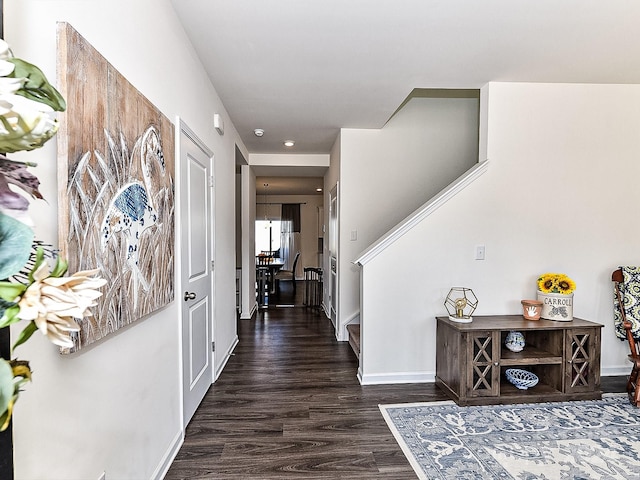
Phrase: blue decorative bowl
(521, 378)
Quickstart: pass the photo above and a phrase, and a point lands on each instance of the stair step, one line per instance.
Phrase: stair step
(354, 338)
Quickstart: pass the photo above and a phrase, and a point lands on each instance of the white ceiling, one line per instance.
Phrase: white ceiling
(302, 69)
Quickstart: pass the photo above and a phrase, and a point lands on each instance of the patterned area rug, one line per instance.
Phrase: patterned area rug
(597, 439)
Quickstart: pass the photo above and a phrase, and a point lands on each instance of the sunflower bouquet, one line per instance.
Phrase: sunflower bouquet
(556, 283)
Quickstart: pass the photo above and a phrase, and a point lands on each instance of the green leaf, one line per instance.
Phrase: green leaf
(15, 245)
(60, 269)
(36, 264)
(6, 390)
(10, 315)
(11, 381)
(36, 87)
(26, 334)
(10, 290)
(4, 419)
(20, 369)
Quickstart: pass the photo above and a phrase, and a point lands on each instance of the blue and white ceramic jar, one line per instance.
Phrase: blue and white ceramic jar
(514, 341)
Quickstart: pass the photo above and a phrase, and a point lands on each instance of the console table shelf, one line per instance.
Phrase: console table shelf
(532, 356)
(471, 360)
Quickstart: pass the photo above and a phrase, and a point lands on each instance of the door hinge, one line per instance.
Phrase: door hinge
(213, 346)
(211, 181)
(213, 263)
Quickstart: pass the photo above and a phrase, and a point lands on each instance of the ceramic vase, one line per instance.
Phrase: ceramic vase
(556, 306)
(514, 341)
(531, 309)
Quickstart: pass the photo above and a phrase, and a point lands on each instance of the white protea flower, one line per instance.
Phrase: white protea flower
(54, 302)
(9, 85)
(24, 123)
(6, 68)
(27, 103)
(5, 50)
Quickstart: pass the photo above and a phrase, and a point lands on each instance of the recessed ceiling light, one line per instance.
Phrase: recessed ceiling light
(258, 132)
(318, 189)
(289, 143)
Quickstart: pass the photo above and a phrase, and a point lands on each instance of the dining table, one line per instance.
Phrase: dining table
(272, 265)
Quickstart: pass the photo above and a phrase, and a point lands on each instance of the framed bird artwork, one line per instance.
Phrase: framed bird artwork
(116, 188)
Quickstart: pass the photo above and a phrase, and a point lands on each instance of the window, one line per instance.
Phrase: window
(267, 235)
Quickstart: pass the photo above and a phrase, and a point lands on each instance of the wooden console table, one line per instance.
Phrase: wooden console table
(471, 360)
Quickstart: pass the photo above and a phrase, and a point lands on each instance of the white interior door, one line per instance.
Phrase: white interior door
(333, 254)
(196, 187)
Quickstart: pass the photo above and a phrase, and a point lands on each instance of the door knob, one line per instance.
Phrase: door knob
(189, 296)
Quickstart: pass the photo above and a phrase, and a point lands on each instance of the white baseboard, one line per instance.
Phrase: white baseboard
(253, 310)
(397, 377)
(167, 459)
(226, 358)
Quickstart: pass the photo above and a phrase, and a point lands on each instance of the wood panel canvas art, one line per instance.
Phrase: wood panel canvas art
(116, 188)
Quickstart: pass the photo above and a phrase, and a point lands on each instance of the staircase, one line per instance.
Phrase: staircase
(354, 338)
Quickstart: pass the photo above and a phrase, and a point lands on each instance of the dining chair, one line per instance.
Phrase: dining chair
(287, 275)
(263, 279)
(312, 287)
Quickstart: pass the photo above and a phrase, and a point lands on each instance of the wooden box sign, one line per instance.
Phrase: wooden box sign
(116, 188)
(556, 306)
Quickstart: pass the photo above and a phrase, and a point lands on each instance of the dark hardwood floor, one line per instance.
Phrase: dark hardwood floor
(286, 295)
(288, 405)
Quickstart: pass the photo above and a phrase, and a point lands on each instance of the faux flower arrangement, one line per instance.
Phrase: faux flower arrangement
(30, 290)
(556, 283)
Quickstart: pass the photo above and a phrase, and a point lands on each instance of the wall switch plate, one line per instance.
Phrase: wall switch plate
(480, 252)
(354, 235)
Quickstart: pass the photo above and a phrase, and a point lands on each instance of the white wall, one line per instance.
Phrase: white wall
(386, 174)
(289, 160)
(115, 406)
(249, 303)
(559, 195)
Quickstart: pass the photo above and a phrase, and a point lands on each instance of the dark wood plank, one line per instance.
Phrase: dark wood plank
(515, 322)
(289, 406)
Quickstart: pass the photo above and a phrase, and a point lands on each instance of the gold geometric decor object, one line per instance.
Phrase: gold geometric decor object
(460, 303)
(115, 188)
